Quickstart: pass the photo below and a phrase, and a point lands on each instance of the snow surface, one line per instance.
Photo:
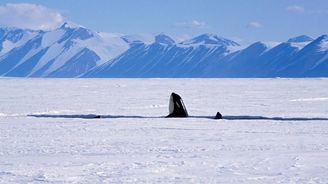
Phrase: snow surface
(134, 144)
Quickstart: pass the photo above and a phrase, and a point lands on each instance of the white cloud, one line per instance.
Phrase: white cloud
(254, 24)
(30, 16)
(191, 25)
(295, 9)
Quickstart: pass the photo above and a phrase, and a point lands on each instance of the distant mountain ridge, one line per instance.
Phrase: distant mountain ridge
(68, 51)
(75, 51)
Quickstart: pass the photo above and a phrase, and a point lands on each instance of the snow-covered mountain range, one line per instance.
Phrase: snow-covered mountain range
(75, 51)
(68, 51)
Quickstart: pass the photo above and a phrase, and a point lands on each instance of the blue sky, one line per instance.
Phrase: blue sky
(242, 20)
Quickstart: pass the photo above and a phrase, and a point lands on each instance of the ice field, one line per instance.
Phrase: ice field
(273, 131)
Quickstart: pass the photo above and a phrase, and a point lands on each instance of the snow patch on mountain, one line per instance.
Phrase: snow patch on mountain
(164, 39)
(211, 39)
(70, 25)
(11, 41)
(233, 49)
(106, 45)
(139, 38)
(63, 58)
(299, 45)
(30, 54)
(269, 44)
(52, 37)
(54, 51)
(8, 46)
(300, 42)
(324, 43)
(302, 38)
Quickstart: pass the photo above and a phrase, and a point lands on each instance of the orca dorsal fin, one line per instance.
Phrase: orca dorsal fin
(177, 107)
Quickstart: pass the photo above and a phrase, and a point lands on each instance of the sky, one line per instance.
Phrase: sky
(241, 20)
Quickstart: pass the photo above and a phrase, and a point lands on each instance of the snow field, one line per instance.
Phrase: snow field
(136, 145)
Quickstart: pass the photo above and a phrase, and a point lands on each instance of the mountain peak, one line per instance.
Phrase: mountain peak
(211, 39)
(302, 38)
(259, 45)
(322, 42)
(69, 25)
(164, 39)
(76, 31)
(323, 38)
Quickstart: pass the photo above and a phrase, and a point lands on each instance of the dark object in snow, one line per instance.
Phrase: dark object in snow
(218, 116)
(176, 107)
